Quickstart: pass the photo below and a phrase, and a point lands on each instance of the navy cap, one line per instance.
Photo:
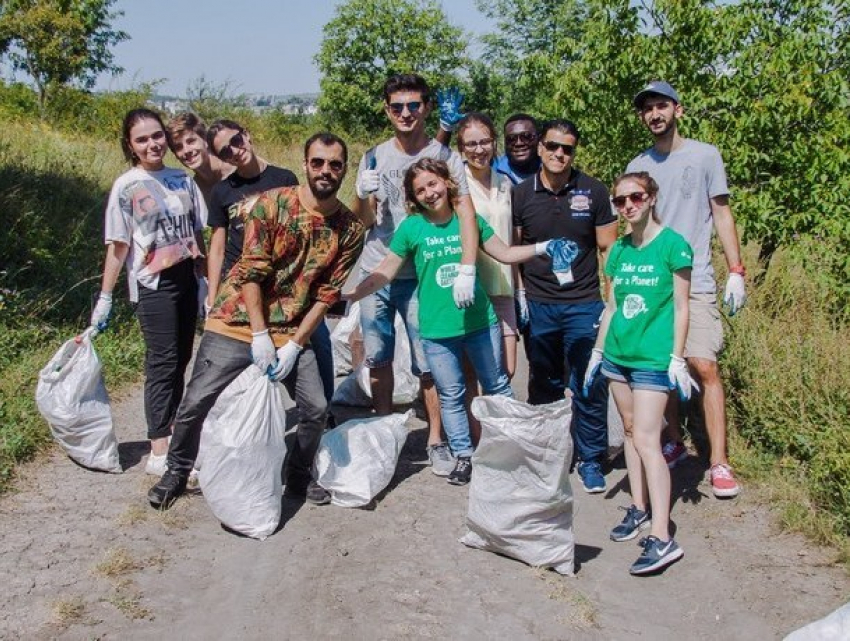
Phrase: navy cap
(657, 87)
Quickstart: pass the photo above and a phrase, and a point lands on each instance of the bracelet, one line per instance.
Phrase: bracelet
(739, 269)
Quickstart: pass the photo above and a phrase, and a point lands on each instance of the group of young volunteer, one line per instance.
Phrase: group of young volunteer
(472, 250)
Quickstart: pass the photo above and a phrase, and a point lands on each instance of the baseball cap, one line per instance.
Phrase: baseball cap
(657, 87)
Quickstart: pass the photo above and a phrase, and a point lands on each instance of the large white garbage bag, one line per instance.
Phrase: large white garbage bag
(520, 500)
(834, 627)
(340, 340)
(357, 460)
(242, 447)
(356, 389)
(73, 400)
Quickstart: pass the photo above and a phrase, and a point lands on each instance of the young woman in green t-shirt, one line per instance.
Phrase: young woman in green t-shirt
(639, 348)
(432, 241)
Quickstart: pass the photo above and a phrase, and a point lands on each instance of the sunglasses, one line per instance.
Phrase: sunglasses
(318, 163)
(636, 198)
(237, 140)
(552, 146)
(526, 137)
(472, 145)
(397, 108)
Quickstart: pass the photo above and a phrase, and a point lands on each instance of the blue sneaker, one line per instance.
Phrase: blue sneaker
(634, 521)
(657, 554)
(590, 473)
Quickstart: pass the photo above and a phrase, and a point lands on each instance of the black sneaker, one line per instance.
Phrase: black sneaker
(170, 486)
(462, 472)
(317, 495)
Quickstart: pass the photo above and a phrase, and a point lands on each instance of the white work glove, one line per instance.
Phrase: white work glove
(203, 291)
(541, 247)
(286, 357)
(680, 377)
(262, 351)
(367, 184)
(735, 296)
(102, 310)
(521, 303)
(464, 286)
(593, 366)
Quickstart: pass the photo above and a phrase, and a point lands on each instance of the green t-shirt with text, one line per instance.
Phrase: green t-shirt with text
(641, 332)
(436, 252)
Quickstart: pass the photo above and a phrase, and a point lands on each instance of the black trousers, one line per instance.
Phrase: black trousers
(167, 316)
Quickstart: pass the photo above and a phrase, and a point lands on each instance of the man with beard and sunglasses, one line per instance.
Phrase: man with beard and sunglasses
(520, 159)
(693, 200)
(300, 245)
(563, 309)
(231, 143)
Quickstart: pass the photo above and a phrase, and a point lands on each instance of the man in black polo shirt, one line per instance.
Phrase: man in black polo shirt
(562, 202)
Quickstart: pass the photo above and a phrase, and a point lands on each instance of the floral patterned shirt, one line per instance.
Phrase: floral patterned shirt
(298, 256)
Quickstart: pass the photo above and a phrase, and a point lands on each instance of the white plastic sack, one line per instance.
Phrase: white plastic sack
(834, 627)
(242, 446)
(520, 500)
(356, 389)
(616, 431)
(72, 398)
(357, 460)
(340, 340)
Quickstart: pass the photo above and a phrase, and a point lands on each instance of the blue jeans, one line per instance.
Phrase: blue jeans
(646, 379)
(445, 358)
(377, 321)
(320, 341)
(562, 334)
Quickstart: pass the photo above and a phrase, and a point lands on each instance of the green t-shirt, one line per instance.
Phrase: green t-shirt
(641, 332)
(436, 255)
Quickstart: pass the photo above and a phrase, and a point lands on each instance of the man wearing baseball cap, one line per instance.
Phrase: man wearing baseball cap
(693, 200)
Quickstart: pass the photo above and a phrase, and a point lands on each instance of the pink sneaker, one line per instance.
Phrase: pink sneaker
(674, 453)
(723, 482)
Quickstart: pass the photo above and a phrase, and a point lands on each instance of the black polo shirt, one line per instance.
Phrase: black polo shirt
(573, 213)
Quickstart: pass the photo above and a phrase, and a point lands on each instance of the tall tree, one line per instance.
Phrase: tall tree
(60, 42)
(368, 40)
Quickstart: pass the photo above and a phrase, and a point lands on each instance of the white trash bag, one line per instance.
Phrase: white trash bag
(833, 627)
(242, 447)
(356, 389)
(73, 400)
(616, 431)
(340, 340)
(357, 460)
(520, 500)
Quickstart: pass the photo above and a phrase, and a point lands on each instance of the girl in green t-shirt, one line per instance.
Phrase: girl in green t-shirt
(432, 240)
(639, 348)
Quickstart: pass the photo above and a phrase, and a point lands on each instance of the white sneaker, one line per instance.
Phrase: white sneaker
(156, 464)
(440, 457)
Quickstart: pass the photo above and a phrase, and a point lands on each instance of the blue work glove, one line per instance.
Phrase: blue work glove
(521, 305)
(593, 366)
(680, 377)
(563, 253)
(449, 102)
(102, 310)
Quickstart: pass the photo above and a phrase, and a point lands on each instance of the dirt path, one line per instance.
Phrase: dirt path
(84, 557)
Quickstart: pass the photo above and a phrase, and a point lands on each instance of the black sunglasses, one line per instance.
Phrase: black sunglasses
(527, 137)
(552, 146)
(398, 107)
(318, 163)
(237, 140)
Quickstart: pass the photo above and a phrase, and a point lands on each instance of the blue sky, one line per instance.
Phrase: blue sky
(258, 46)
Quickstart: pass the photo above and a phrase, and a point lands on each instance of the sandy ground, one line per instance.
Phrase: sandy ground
(84, 557)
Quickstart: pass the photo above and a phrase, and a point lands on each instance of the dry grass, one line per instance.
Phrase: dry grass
(133, 515)
(582, 613)
(127, 599)
(69, 611)
(116, 563)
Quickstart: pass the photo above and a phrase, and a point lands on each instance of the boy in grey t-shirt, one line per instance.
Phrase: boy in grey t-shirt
(693, 199)
(380, 204)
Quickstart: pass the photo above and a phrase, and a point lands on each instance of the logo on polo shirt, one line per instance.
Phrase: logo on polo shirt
(580, 203)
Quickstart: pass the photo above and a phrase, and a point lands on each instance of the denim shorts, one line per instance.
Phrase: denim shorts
(377, 323)
(648, 379)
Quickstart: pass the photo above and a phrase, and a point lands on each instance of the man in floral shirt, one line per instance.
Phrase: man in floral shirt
(300, 245)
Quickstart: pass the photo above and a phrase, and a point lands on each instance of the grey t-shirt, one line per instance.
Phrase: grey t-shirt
(687, 179)
(391, 164)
